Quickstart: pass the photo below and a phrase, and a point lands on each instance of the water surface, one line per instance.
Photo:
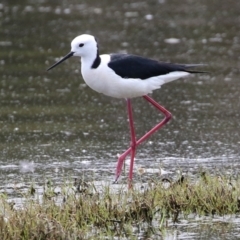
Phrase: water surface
(54, 126)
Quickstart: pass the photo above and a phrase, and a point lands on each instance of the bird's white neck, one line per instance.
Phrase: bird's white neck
(88, 60)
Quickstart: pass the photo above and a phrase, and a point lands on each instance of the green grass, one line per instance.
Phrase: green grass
(83, 211)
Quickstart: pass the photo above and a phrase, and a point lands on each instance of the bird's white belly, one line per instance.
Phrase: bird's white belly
(107, 82)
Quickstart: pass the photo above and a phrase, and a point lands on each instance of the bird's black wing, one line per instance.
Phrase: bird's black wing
(133, 66)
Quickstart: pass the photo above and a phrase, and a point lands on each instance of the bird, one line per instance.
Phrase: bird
(127, 76)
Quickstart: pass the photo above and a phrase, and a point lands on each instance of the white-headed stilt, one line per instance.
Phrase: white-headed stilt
(125, 76)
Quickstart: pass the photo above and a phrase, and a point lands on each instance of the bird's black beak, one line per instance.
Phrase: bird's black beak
(60, 61)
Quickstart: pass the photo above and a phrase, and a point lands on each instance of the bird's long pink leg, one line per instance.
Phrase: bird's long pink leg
(168, 116)
(133, 141)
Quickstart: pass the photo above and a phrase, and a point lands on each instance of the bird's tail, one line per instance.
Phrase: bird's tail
(189, 66)
(182, 71)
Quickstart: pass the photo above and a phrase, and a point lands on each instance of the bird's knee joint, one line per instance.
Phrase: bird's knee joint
(168, 116)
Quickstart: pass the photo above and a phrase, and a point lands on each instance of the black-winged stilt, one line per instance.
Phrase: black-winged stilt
(125, 76)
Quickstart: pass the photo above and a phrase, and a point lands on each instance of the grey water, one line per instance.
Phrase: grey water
(53, 126)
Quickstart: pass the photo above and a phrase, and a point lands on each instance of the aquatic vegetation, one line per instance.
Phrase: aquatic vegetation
(83, 211)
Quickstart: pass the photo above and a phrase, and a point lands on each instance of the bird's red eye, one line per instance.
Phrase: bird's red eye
(81, 45)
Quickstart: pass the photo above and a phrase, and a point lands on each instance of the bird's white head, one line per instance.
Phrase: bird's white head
(81, 46)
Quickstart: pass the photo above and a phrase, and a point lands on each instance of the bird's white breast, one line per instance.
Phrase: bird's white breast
(104, 80)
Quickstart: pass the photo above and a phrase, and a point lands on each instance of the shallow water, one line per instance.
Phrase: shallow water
(53, 126)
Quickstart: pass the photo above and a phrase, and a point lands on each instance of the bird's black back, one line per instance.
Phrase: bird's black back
(133, 66)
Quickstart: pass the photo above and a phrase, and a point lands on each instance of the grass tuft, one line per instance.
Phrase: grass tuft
(83, 211)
